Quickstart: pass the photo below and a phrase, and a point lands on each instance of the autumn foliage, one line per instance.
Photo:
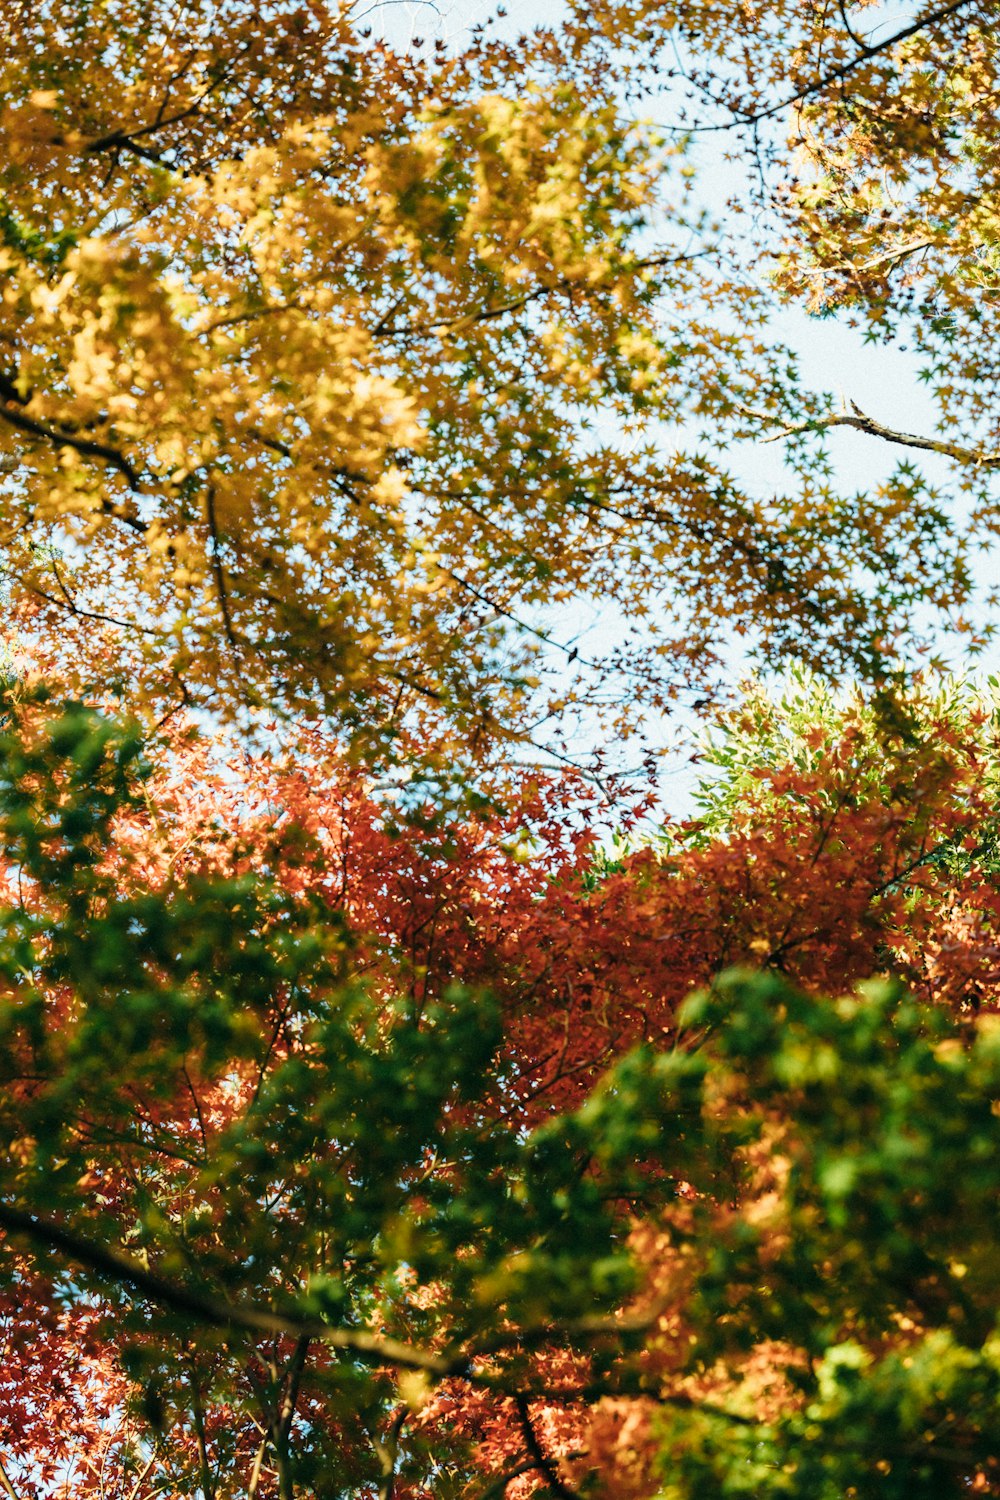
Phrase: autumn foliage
(394, 1102)
(299, 1064)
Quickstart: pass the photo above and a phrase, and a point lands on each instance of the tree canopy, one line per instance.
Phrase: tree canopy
(386, 1110)
(328, 370)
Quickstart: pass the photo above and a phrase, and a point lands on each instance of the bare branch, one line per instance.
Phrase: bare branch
(853, 416)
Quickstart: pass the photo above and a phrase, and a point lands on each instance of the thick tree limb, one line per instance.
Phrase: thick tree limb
(5, 1484)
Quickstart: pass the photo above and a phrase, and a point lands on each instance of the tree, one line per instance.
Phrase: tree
(359, 1134)
(873, 159)
(327, 1216)
(312, 350)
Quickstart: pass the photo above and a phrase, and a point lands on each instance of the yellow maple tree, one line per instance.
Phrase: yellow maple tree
(327, 369)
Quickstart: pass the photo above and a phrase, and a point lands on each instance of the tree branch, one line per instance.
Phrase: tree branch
(5, 1483)
(853, 416)
(68, 604)
(285, 1416)
(143, 1475)
(216, 1312)
(875, 262)
(86, 447)
(366, 1345)
(497, 1488)
(255, 1473)
(198, 1413)
(542, 1461)
(388, 1454)
(841, 71)
(220, 577)
(125, 139)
